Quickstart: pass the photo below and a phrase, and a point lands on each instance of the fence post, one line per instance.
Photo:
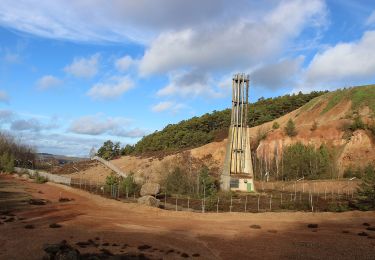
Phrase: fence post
(188, 203)
(258, 201)
(246, 204)
(231, 203)
(271, 202)
(217, 205)
(165, 199)
(281, 198)
(176, 202)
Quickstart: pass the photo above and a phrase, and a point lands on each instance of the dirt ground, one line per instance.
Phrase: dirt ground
(158, 234)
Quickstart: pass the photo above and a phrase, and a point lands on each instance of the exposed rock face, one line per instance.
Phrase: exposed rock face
(150, 189)
(149, 201)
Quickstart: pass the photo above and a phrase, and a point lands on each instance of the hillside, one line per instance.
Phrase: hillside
(333, 115)
(202, 130)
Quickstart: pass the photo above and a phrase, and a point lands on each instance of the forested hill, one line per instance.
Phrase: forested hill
(198, 131)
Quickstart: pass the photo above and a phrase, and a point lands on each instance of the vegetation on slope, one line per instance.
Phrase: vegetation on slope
(198, 131)
(13, 154)
(359, 96)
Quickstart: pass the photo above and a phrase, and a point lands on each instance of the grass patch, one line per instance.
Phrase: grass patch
(334, 98)
(311, 104)
(363, 96)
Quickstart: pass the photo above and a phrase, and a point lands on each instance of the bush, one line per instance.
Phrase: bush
(357, 124)
(367, 188)
(275, 125)
(111, 179)
(290, 128)
(129, 186)
(7, 162)
(177, 182)
(301, 160)
(40, 179)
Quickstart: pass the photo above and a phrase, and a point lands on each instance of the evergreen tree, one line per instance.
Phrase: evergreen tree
(290, 128)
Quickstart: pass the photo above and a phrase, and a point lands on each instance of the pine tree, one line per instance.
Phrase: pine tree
(290, 128)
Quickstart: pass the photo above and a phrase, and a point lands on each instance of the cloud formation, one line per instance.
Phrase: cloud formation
(84, 67)
(47, 82)
(276, 75)
(235, 44)
(344, 62)
(99, 125)
(122, 64)
(112, 88)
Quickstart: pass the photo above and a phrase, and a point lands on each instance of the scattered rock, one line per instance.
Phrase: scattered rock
(106, 252)
(97, 238)
(345, 231)
(312, 225)
(25, 176)
(255, 227)
(144, 247)
(29, 226)
(55, 225)
(362, 234)
(83, 244)
(366, 224)
(170, 251)
(11, 219)
(272, 231)
(65, 199)
(37, 202)
(184, 255)
(150, 188)
(149, 201)
(196, 255)
(105, 244)
(371, 228)
(114, 244)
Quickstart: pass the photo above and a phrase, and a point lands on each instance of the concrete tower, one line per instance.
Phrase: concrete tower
(238, 168)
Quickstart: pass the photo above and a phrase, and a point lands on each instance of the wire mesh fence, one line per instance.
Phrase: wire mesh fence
(266, 201)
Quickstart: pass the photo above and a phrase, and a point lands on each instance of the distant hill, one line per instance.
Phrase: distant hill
(59, 159)
(209, 127)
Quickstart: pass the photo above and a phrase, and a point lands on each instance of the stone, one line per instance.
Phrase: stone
(149, 201)
(150, 188)
(61, 251)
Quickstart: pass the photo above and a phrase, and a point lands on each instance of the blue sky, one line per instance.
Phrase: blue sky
(76, 73)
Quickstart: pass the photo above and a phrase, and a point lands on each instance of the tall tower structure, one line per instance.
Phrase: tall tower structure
(238, 169)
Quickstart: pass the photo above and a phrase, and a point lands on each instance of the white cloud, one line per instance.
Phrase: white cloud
(26, 125)
(344, 62)
(276, 75)
(113, 88)
(113, 20)
(241, 42)
(99, 124)
(162, 106)
(4, 97)
(168, 106)
(84, 67)
(47, 82)
(371, 19)
(122, 64)
(189, 84)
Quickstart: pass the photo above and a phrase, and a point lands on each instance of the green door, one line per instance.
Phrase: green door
(249, 188)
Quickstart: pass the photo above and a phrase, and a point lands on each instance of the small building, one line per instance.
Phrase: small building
(241, 183)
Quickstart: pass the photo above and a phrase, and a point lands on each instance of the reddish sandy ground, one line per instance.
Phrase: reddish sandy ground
(211, 235)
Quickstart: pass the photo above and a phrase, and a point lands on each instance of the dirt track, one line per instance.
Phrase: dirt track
(211, 236)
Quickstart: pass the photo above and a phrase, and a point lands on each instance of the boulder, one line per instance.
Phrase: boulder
(150, 188)
(61, 251)
(149, 201)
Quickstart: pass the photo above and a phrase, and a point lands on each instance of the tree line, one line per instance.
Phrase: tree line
(199, 131)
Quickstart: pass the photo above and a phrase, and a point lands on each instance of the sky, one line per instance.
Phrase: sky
(76, 73)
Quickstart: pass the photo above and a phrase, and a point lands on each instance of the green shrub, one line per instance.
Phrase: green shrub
(40, 179)
(290, 128)
(129, 186)
(366, 189)
(112, 179)
(7, 162)
(275, 125)
(177, 182)
(357, 124)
